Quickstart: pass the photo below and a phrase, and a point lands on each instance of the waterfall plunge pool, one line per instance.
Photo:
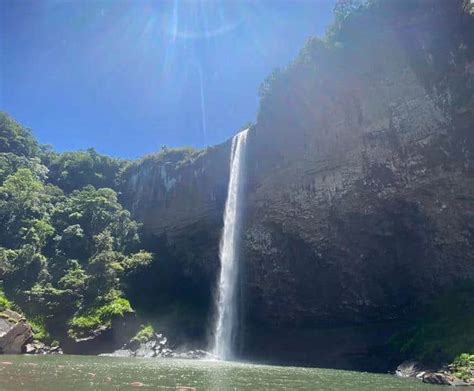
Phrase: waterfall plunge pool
(79, 373)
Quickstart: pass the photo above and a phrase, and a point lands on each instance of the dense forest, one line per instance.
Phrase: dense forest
(66, 243)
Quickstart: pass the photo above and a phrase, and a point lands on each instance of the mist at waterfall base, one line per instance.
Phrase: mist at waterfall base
(225, 330)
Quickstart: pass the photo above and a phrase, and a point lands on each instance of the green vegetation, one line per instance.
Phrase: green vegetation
(443, 331)
(66, 242)
(16, 139)
(4, 302)
(39, 330)
(74, 170)
(81, 325)
(463, 367)
(145, 333)
(330, 65)
(176, 156)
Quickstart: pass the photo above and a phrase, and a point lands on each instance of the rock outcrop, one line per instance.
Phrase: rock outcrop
(416, 370)
(106, 338)
(15, 332)
(360, 183)
(38, 347)
(156, 347)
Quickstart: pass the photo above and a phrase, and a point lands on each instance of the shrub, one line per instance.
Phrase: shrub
(4, 302)
(39, 330)
(463, 366)
(145, 334)
(98, 317)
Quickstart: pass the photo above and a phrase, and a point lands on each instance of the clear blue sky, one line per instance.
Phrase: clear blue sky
(126, 77)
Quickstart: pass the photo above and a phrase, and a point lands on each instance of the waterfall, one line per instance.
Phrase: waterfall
(226, 305)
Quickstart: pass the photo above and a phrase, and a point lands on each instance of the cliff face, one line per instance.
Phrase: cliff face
(360, 201)
(179, 196)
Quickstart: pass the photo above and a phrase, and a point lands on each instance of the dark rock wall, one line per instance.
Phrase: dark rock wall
(360, 203)
(180, 203)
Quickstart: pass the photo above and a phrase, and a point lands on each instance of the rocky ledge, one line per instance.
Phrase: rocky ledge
(16, 336)
(38, 347)
(445, 376)
(156, 347)
(15, 332)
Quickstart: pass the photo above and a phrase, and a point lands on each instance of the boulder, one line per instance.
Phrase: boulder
(438, 378)
(409, 368)
(37, 347)
(157, 346)
(15, 332)
(105, 338)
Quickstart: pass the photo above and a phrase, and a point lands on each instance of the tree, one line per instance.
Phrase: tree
(25, 203)
(15, 138)
(63, 255)
(74, 170)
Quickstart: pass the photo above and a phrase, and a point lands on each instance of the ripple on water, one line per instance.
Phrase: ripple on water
(78, 373)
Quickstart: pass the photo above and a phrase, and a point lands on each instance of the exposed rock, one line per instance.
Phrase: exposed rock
(437, 378)
(409, 368)
(37, 347)
(359, 207)
(15, 332)
(105, 338)
(417, 370)
(156, 347)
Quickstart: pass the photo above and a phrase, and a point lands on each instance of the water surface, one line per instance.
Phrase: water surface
(39, 373)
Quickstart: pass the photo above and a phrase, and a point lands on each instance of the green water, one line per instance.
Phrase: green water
(79, 373)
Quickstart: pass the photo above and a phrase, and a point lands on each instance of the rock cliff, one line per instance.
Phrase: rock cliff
(360, 201)
(15, 332)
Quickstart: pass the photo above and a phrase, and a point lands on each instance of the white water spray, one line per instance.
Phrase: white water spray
(226, 306)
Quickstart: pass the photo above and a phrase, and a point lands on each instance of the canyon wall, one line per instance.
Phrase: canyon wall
(360, 202)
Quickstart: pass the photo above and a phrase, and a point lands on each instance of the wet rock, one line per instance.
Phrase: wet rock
(148, 349)
(409, 368)
(345, 197)
(37, 347)
(438, 378)
(156, 347)
(15, 332)
(166, 352)
(105, 338)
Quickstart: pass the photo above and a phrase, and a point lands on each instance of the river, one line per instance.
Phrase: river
(78, 373)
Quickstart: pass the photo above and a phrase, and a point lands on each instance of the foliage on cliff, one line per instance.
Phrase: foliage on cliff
(74, 170)
(443, 331)
(65, 245)
(463, 367)
(338, 59)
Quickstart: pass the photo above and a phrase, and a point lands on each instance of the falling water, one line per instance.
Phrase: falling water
(226, 306)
